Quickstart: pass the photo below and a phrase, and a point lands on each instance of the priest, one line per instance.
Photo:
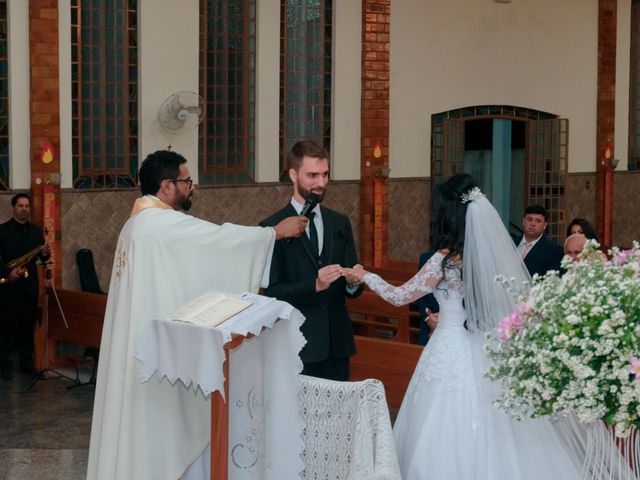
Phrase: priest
(164, 258)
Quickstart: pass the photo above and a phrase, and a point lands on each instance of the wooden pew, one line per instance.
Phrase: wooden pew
(391, 360)
(84, 313)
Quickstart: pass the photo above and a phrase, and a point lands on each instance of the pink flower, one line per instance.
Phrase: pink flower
(635, 367)
(514, 322)
(621, 257)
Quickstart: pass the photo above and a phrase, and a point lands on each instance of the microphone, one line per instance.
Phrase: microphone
(309, 204)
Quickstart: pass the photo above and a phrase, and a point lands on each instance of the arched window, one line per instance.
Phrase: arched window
(518, 155)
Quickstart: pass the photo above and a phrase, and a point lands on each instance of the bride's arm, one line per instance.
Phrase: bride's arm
(419, 285)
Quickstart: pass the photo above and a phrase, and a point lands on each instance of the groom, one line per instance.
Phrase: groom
(307, 271)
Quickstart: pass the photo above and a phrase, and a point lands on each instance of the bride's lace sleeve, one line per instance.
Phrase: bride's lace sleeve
(419, 285)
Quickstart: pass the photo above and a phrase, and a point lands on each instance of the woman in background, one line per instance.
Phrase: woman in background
(580, 225)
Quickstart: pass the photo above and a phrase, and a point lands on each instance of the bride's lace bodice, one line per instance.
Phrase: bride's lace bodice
(447, 359)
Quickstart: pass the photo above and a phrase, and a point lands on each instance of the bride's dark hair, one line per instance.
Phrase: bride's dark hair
(449, 215)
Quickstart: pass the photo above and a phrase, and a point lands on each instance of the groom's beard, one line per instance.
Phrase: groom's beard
(320, 192)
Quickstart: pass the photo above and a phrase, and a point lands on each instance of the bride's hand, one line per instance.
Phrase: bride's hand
(354, 275)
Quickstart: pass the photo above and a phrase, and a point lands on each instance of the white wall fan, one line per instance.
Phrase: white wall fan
(181, 112)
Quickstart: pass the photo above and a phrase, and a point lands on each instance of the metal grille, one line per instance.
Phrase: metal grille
(305, 73)
(228, 87)
(104, 68)
(453, 147)
(634, 89)
(4, 100)
(547, 171)
(546, 154)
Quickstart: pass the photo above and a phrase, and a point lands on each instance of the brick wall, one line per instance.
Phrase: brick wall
(44, 110)
(375, 123)
(606, 109)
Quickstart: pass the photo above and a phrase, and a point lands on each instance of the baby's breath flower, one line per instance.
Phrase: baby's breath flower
(575, 348)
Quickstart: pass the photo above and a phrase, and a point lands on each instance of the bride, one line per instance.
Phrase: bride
(447, 427)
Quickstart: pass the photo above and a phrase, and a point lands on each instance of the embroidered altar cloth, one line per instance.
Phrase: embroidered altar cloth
(264, 424)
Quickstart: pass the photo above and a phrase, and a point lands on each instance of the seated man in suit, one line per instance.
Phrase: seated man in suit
(538, 252)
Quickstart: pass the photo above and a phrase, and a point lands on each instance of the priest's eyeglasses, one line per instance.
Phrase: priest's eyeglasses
(188, 181)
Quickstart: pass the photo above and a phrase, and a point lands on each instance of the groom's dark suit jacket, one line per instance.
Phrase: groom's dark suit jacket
(545, 255)
(294, 270)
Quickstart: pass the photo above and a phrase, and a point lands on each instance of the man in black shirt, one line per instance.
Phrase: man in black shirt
(19, 286)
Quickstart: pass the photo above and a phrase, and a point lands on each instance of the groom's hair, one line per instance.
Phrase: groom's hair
(304, 148)
(158, 166)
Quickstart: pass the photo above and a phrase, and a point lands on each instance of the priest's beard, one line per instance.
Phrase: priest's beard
(320, 192)
(185, 202)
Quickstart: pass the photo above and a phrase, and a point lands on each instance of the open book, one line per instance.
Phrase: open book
(210, 309)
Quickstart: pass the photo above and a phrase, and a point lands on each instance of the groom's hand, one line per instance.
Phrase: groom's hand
(327, 275)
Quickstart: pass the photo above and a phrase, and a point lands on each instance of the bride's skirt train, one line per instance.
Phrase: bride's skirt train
(448, 428)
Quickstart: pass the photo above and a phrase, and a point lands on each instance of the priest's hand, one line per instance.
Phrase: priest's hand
(327, 275)
(291, 227)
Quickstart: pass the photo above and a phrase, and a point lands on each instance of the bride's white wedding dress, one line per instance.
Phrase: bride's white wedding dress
(447, 427)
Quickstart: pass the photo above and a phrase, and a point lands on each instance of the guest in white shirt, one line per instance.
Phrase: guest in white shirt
(538, 252)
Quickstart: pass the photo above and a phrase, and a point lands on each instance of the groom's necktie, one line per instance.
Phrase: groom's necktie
(313, 233)
(524, 249)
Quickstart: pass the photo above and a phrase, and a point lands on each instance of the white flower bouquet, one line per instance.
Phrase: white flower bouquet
(573, 343)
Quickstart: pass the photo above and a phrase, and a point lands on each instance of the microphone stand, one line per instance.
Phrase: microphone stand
(46, 373)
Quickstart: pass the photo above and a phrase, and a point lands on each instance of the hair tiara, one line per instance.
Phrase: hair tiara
(474, 194)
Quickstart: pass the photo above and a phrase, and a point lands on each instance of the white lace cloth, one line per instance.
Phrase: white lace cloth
(264, 431)
(347, 431)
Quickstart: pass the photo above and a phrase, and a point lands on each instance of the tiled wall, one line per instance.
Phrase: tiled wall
(94, 219)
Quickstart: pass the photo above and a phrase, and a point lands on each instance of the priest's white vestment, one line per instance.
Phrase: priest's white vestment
(164, 258)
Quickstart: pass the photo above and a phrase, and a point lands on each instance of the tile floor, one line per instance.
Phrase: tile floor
(44, 431)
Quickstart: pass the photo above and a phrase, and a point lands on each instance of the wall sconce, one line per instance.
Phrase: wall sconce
(382, 172)
(607, 156)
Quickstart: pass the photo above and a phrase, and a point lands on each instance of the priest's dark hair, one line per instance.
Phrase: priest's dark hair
(159, 165)
(449, 215)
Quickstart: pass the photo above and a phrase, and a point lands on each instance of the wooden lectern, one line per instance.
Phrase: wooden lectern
(220, 418)
(211, 366)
